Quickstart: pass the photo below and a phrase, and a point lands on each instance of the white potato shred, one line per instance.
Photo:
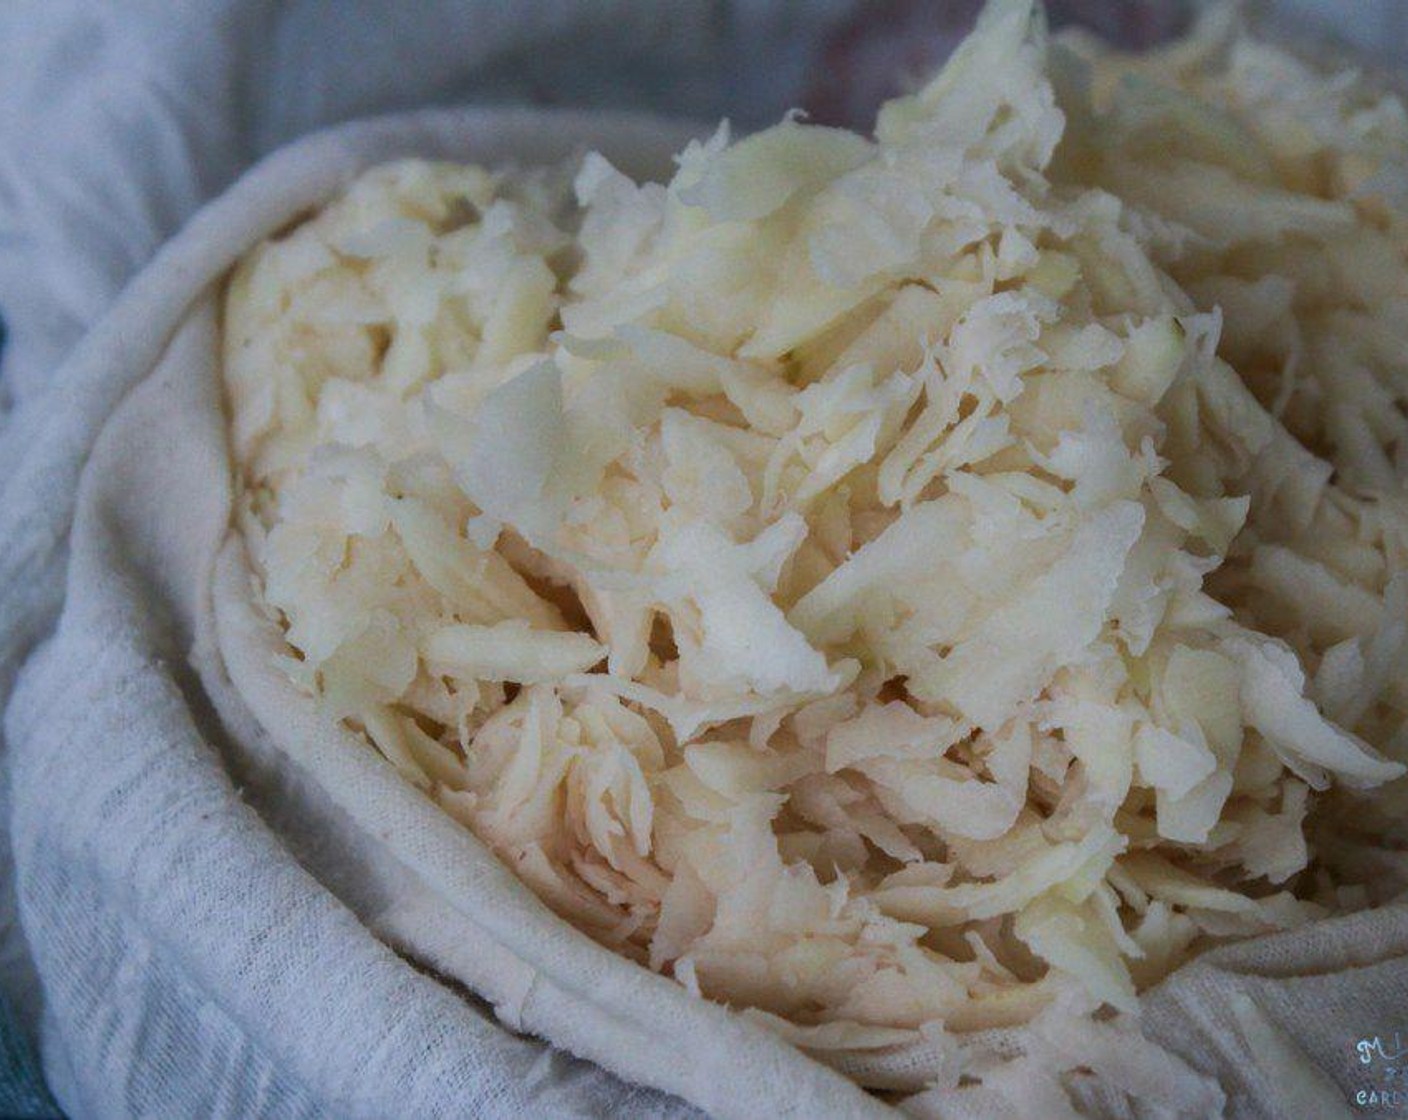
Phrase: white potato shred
(900, 586)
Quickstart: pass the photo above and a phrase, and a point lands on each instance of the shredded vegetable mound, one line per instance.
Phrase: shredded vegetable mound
(898, 586)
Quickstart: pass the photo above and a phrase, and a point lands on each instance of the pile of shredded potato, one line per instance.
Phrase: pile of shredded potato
(900, 586)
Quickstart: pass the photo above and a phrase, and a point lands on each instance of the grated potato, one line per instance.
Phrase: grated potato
(902, 585)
